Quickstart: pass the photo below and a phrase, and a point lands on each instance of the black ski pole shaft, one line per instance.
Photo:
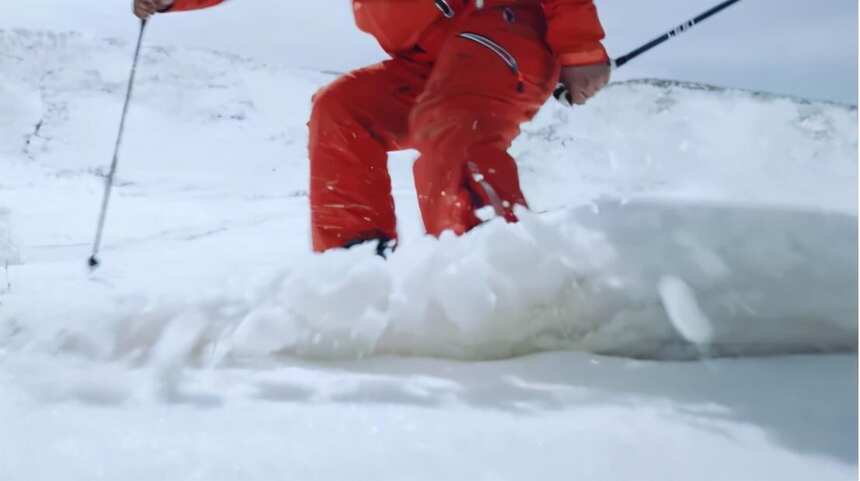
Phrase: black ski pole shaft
(94, 261)
(673, 33)
(562, 95)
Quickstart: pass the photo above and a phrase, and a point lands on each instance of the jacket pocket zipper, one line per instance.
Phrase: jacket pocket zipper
(500, 51)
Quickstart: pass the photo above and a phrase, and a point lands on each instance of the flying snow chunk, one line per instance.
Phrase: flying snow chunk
(683, 310)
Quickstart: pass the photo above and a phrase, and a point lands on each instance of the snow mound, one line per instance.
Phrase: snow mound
(767, 281)
(771, 282)
(686, 140)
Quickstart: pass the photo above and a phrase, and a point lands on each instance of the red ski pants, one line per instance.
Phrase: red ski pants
(460, 108)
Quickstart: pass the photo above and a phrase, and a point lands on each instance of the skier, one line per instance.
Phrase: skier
(463, 76)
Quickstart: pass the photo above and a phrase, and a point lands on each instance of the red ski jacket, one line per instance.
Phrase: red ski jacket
(573, 29)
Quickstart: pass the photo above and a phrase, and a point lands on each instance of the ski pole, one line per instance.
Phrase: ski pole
(562, 95)
(94, 261)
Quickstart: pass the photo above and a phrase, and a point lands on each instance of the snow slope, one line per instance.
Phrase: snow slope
(667, 213)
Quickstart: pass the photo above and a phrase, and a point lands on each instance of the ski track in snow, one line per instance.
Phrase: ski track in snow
(677, 222)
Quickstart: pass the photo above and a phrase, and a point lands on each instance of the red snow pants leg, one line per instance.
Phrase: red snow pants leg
(355, 122)
(492, 74)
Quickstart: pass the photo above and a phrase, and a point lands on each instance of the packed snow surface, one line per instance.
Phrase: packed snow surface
(670, 222)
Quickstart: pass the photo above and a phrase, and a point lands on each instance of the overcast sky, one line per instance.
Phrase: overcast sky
(801, 47)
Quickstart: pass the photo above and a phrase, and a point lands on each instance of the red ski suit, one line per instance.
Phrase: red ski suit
(464, 75)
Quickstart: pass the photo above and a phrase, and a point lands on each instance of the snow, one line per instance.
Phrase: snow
(597, 418)
(8, 250)
(212, 344)
(684, 312)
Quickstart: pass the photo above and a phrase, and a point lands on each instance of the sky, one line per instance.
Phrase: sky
(797, 47)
